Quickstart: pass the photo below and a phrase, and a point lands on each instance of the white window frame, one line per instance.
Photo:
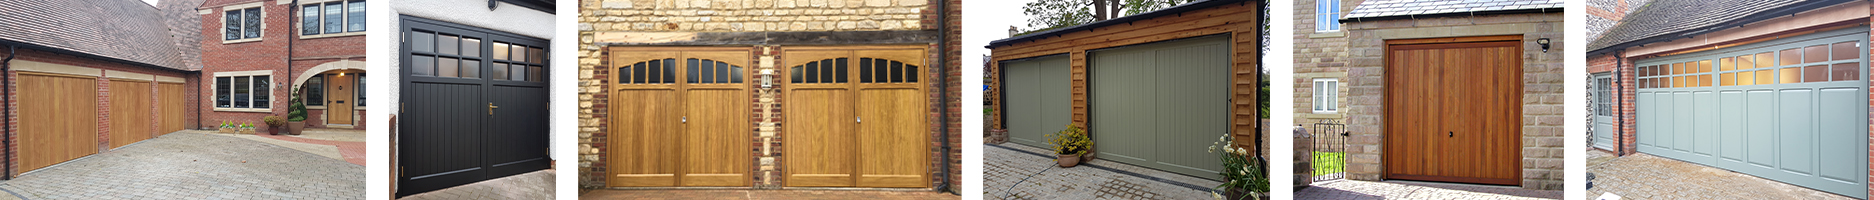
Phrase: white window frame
(215, 84)
(1326, 16)
(345, 19)
(224, 24)
(1326, 95)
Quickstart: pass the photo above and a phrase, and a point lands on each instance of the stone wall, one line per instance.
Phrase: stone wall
(1542, 118)
(754, 15)
(1318, 55)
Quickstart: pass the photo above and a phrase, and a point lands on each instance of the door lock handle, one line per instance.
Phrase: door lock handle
(491, 108)
(685, 119)
(858, 119)
(1451, 134)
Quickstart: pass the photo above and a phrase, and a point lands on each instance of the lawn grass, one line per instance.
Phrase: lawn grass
(1329, 162)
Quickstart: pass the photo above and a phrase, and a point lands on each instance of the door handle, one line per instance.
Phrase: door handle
(685, 119)
(1451, 134)
(858, 119)
(491, 108)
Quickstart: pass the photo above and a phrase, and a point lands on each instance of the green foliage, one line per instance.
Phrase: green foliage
(1051, 14)
(296, 107)
(1329, 162)
(227, 124)
(273, 121)
(1241, 169)
(1070, 141)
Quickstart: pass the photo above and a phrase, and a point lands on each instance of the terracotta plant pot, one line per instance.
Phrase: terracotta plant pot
(1068, 160)
(274, 130)
(295, 127)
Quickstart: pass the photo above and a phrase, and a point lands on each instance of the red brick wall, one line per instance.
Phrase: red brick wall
(270, 53)
(953, 78)
(103, 100)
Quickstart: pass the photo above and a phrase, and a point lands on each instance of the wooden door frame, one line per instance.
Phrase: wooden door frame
(783, 68)
(679, 89)
(1446, 42)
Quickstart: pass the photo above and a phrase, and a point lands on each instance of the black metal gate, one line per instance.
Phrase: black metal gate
(1330, 150)
(474, 105)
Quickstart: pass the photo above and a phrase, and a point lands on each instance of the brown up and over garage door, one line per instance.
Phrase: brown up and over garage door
(59, 115)
(1453, 109)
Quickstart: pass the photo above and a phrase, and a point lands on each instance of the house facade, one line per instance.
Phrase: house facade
(1320, 60)
(255, 52)
(1772, 89)
(1469, 92)
(1602, 87)
(136, 71)
(770, 94)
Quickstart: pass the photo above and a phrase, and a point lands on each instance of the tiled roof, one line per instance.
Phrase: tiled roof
(1395, 8)
(127, 30)
(1674, 17)
(185, 29)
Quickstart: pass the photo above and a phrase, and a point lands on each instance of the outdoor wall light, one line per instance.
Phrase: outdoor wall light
(767, 81)
(1545, 44)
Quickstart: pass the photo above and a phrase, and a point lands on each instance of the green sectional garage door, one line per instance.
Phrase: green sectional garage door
(1159, 105)
(1036, 98)
(1792, 109)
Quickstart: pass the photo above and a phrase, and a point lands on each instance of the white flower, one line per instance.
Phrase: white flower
(1213, 194)
(1221, 138)
(1213, 149)
(1240, 149)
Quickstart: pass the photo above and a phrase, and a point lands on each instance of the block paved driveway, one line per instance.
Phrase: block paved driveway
(1006, 164)
(1644, 176)
(194, 164)
(1352, 189)
(765, 194)
(530, 185)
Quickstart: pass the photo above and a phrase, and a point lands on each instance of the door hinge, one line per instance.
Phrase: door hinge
(399, 171)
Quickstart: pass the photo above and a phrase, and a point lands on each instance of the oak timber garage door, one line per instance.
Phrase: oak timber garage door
(680, 117)
(130, 111)
(855, 117)
(57, 117)
(1037, 98)
(1158, 105)
(170, 105)
(474, 105)
(1453, 110)
(1792, 109)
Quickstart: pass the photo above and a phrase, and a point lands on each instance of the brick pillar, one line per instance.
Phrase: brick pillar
(767, 127)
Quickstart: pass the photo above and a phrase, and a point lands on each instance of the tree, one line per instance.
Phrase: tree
(1050, 14)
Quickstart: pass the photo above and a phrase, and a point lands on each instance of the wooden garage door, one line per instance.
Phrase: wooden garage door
(170, 108)
(57, 117)
(1792, 110)
(855, 117)
(131, 111)
(1159, 105)
(1453, 110)
(680, 117)
(474, 105)
(1037, 98)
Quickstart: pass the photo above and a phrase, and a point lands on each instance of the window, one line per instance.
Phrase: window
(315, 90)
(332, 17)
(488, 55)
(1325, 92)
(243, 91)
(360, 85)
(886, 71)
(1326, 15)
(1604, 96)
(241, 24)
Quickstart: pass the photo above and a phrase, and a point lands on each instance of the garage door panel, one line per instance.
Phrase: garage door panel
(1704, 137)
(1763, 129)
(891, 133)
(1022, 103)
(130, 112)
(1795, 108)
(57, 119)
(1684, 120)
(1188, 105)
(1454, 112)
(1121, 84)
(637, 126)
(714, 137)
(1731, 125)
(1838, 137)
(172, 107)
(820, 142)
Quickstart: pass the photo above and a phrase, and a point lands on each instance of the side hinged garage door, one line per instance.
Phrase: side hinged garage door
(1792, 109)
(680, 117)
(1158, 105)
(57, 117)
(130, 111)
(855, 117)
(1037, 97)
(1453, 110)
(474, 105)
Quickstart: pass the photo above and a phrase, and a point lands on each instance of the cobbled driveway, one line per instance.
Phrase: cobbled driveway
(1006, 164)
(1644, 176)
(1351, 189)
(195, 165)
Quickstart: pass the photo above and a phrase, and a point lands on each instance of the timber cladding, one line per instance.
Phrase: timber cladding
(1236, 23)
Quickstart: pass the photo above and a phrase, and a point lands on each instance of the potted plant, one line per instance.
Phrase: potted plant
(1242, 170)
(228, 127)
(295, 114)
(274, 124)
(247, 128)
(1069, 144)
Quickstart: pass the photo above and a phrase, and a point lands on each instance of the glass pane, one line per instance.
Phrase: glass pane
(1704, 80)
(640, 73)
(1789, 75)
(447, 67)
(1844, 51)
(535, 75)
(1789, 57)
(1678, 81)
(1764, 60)
(334, 17)
(262, 92)
(1725, 64)
(1845, 72)
(722, 72)
(1727, 79)
(652, 72)
(315, 90)
(1816, 53)
(309, 20)
(1644, 82)
(500, 51)
(360, 84)
(691, 65)
(669, 71)
(735, 74)
(794, 74)
(826, 71)
(425, 42)
(880, 70)
(222, 84)
(813, 72)
(423, 65)
(1765, 77)
(1746, 62)
(241, 87)
(518, 72)
(897, 72)
(709, 71)
(355, 20)
(1818, 73)
(865, 70)
(446, 44)
(231, 25)
(500, 71)
(536, 55)
(1677, 68)
(518, 53)
(911, 73)
(252, 24)
(839, 70)
(471, 47)
(1704, 66)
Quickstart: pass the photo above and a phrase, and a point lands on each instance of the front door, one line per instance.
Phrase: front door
(338, 105)
(1453, 110)
(474, 105)
(680, 117)
(856, 117)
(1604, 111)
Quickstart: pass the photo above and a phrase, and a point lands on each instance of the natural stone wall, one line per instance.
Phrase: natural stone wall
(1318, 54)
(1542, 118)
(753, 15)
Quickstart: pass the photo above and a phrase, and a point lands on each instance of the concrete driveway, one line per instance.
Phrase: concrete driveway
(193, 164)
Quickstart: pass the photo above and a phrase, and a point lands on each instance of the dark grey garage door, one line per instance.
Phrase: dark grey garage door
(1158, 105)
(474, 105)
(1037, 98)
(1792, 109)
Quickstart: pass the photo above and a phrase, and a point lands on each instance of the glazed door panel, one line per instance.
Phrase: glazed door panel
(859, 116)
(1453, 112)
(1604, 111)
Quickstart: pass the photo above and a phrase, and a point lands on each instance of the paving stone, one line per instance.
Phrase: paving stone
(1644, 176)
(531, 185)
(1354, 189)
(762, 194)
(1004, 167)
(207, 166)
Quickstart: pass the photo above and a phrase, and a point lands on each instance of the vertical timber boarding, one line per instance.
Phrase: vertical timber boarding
(681, 119)
(467, 122)
(57, 117)
(856, 116)
(1475, 137)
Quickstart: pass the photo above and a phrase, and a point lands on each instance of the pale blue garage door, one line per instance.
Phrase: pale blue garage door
(1792, 109)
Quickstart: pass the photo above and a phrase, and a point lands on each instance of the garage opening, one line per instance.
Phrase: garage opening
(855, 117)
(1155, 105)
(1453, 110)
(1037, 97)
(471, 111)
